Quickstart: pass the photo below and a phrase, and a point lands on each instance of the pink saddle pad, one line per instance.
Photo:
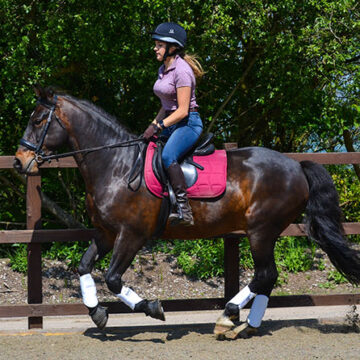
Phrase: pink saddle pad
(211, 181)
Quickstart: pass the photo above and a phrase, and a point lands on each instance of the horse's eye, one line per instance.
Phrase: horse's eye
(37, 122)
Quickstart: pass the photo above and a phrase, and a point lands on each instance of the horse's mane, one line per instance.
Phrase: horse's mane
(105, 117)
(86, 105)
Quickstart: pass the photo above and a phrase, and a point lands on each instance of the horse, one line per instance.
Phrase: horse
(265, 192)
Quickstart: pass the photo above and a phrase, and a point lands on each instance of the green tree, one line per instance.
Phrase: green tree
(282, 74)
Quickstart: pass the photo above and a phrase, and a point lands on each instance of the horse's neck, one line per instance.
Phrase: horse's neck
(88, 130)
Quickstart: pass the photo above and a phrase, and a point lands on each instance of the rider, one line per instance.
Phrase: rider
(178, 118)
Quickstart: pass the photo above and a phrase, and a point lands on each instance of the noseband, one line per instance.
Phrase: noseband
(39, 153)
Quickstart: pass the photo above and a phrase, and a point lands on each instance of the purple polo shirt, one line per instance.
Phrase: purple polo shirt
(179, 74)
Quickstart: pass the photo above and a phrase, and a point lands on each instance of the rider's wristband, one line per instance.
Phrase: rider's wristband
(162, 125)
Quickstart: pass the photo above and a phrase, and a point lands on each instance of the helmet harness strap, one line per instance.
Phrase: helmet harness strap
(167, 49)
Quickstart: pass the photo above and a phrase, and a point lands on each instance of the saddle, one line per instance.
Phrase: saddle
(204, 169)
(188, 165)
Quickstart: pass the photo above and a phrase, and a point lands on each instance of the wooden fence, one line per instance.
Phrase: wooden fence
(34, 237)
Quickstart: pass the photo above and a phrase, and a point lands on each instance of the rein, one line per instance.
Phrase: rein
(42, 158)
(139, 162)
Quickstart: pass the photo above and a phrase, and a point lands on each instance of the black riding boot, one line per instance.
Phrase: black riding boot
(183, 215)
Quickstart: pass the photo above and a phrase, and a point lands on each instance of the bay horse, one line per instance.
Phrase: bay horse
(265, 192)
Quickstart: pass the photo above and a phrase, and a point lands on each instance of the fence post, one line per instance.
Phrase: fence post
(33, 221)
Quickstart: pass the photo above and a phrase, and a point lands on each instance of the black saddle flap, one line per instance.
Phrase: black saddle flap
(204, 146)
(209, 149)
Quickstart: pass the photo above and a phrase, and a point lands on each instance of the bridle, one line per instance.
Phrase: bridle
(41, 157)
(37, 149)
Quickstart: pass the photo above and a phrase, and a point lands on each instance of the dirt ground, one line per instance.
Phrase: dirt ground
(159, 277)
(296, 339)
(154, 276)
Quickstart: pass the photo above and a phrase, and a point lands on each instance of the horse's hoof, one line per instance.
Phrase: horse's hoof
(243, 331)
(223, 325)
(156, 310)
(99, 316)
(151, 308)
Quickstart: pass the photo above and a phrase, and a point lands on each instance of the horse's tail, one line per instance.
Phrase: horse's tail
(323, 221)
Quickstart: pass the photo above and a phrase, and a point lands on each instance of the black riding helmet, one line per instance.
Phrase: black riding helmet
(171, 33)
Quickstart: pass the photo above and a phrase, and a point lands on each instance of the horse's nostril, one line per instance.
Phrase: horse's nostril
(17, 164)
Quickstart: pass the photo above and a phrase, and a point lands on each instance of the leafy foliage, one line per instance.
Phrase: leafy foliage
(347, 185)
(72, 252)
(205, 258)
(201, 258)
(294, 254)
(336, 277)
(293, 64)
(18, 258)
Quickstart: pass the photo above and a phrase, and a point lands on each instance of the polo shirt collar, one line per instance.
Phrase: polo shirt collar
(173, 65)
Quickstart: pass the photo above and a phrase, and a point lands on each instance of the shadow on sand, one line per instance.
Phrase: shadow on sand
(174, 332)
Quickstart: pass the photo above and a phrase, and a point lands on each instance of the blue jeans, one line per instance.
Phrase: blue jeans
(181, 138)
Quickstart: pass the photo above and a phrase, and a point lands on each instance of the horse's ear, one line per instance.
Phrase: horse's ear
(39, 91)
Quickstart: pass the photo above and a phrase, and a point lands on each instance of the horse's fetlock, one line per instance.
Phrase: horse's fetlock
(141, 306)
(231, 311)
(92, 311)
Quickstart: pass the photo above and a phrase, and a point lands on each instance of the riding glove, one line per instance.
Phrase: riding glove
(150, 131)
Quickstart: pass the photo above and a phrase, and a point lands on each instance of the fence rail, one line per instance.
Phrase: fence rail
(34, 237)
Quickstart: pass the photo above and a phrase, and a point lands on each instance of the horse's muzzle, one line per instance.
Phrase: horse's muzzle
(25, 163)
(17, 165)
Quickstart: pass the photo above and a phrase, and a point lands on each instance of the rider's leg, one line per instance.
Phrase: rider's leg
(183, 137)
(177, 180)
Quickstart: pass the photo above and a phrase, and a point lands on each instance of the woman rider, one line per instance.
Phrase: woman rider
(178, 118)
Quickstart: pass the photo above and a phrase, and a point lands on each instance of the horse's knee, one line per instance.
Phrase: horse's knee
(113, 282)
(264, 281)
(87, 261)
(89, 258)
(84, 268)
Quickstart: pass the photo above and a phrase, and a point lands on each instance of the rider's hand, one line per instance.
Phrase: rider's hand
(151, 131)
